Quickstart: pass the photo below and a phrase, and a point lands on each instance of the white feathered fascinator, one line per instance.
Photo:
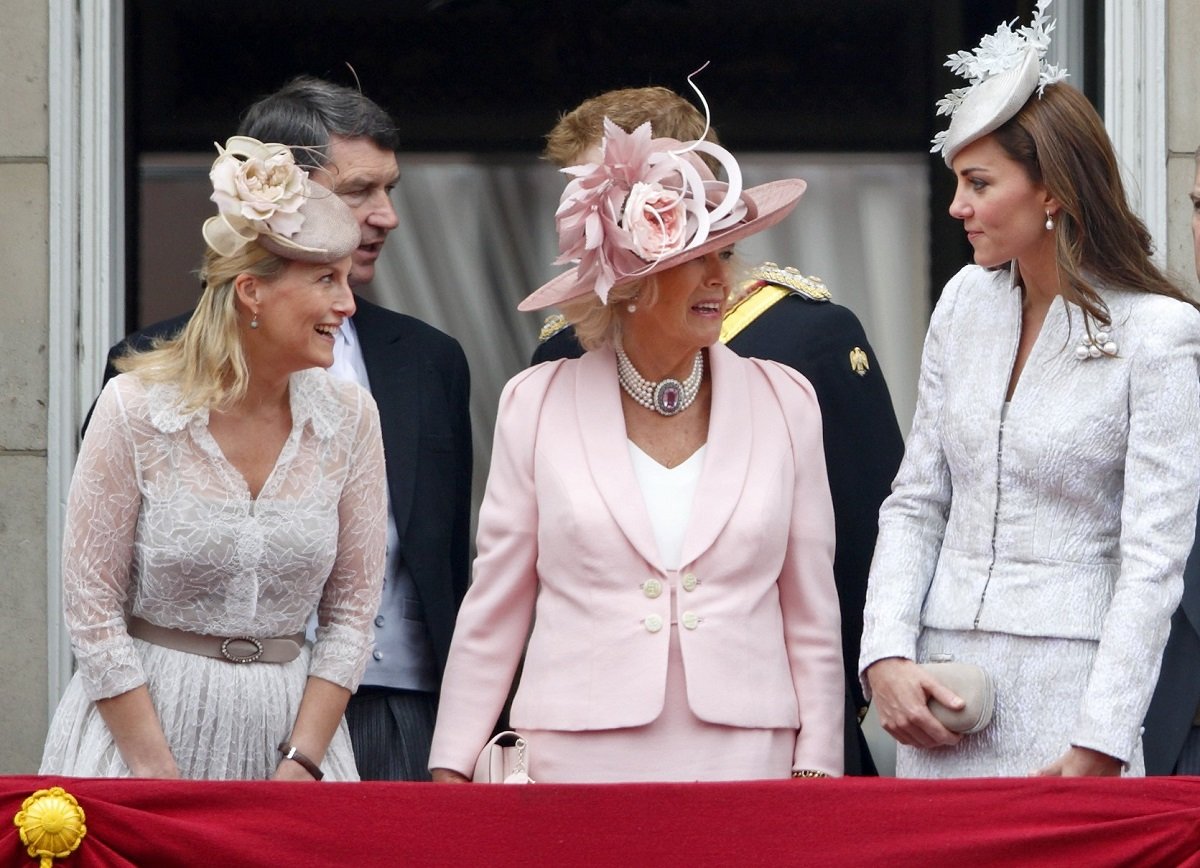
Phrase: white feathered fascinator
(1005, 70)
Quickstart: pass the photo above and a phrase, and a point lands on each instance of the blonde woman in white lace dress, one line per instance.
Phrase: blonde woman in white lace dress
(1041, 518)
(226, 488)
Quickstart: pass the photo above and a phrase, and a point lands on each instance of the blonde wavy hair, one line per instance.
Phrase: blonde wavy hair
(205, 360)
(597, 324)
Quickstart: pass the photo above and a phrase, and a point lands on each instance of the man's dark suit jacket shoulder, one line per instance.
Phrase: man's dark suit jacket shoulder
(421, 384)
(1173, 707)
(863, 446)
(420, 380)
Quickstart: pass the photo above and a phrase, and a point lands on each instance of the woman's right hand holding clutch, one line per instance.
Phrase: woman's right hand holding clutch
(901, 691)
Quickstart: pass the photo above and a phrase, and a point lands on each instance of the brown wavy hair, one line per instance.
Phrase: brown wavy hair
(1060, 141)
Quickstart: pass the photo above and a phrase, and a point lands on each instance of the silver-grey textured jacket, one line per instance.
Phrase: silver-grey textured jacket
(1073, 520)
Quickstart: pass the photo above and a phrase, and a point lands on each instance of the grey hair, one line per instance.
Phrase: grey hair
(307, 111)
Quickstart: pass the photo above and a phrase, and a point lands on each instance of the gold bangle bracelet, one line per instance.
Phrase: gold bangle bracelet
(808, 773)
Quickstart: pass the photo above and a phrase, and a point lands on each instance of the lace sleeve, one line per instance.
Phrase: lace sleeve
(102, 515)
(350, 597)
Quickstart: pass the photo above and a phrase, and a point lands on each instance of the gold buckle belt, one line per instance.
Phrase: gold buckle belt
(233, 649)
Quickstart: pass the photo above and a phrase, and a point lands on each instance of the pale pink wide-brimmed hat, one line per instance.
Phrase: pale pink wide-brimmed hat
(263, 196)
(648, 205)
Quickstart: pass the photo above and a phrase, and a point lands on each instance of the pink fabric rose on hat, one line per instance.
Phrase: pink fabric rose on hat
(644, 200)
(656, 220)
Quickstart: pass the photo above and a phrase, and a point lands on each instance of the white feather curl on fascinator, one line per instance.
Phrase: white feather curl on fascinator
(1005, 70)
(263, 196)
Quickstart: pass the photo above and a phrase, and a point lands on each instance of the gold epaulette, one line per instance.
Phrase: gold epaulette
(767, 285)
(812, 288)
(554, 323)
(750, 308)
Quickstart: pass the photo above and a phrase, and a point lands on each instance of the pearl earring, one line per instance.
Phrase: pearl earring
(254, 322)
(1049, 222)
(631, 307)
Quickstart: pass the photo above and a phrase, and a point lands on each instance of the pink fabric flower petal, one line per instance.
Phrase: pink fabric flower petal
(640, 203)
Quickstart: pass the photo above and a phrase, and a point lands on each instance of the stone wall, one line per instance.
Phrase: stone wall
(24, 338)
(1183, 132)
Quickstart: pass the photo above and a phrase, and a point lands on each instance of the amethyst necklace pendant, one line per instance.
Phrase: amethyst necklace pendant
(668, 396)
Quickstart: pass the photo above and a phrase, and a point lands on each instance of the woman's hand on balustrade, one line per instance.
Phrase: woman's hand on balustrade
(448, 776)
(287, 770)
(901, 691)
(135, 728)
(162, 768)
(1082, 762)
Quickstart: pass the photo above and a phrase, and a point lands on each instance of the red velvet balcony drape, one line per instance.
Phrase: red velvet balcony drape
(1027, 822)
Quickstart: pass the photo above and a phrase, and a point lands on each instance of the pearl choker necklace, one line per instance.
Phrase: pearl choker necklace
(666, 397)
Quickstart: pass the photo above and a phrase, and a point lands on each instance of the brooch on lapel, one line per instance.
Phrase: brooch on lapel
(1095, 346)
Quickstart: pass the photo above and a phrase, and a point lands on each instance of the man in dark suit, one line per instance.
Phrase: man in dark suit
(784, 316)
(419, 379)
(1171, 741)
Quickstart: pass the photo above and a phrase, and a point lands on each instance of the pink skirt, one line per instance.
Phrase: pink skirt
(677, 746)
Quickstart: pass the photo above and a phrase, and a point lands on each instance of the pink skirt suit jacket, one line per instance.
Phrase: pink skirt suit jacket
(564, 534)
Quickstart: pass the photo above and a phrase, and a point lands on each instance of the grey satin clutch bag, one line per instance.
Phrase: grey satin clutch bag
(974, 685)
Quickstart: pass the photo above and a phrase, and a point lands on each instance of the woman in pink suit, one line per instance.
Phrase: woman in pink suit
(657, 522)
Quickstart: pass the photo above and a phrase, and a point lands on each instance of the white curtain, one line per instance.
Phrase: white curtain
(473, 239)
(476, 235)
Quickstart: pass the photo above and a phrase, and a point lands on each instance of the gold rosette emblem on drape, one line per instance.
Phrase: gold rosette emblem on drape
(51, 824)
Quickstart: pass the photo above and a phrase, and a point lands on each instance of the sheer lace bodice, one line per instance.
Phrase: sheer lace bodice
(161, 525)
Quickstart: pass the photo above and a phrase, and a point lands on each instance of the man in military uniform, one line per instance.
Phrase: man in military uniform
(780, 314)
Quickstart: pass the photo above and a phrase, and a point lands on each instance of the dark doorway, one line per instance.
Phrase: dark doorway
(490, 76)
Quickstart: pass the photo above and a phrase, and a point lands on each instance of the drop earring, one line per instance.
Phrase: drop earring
(1049, 222)
(631, 307)
(254, 322)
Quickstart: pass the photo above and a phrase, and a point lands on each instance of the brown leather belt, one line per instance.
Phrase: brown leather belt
(232, 649)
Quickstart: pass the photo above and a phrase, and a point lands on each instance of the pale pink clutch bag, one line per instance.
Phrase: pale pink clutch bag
(503, 760)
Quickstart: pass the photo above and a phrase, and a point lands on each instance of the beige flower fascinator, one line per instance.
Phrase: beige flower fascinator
(263, 196)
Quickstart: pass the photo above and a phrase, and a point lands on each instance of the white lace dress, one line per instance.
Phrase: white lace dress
(160, 525)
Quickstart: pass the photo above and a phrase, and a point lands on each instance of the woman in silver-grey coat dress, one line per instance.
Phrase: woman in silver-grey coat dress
(1041, 519)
